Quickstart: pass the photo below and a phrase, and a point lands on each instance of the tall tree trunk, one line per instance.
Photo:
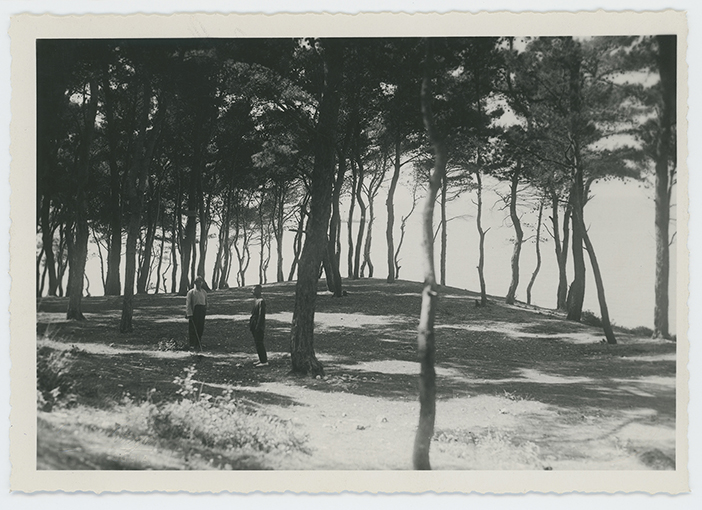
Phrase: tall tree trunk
(47, 239)
(299, 234)
(561, 249)
(78, 245)
(77, 240)
(113, 284)
(352, 206)
(403, 227)
(444, 230)
(367, 262)
(151, 222)
(205, 222)
(304, 360)
(538, 253)
(425, 337)
(664, 155)
(390, 207)
(606, 324)
(160, 258)
(481, 234)
(576, 293)
(362, 220)
(518, 236)
(188, 242)
(278, 229)
(335, 224)
(135, 184)
(176, 232)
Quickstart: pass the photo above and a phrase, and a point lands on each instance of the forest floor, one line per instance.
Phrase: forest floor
(518, 387)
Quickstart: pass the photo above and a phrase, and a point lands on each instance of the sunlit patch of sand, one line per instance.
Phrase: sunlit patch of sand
(509, 329)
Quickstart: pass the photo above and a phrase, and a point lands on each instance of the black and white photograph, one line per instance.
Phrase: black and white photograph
(459, 251)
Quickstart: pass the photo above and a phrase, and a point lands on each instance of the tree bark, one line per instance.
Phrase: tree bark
(444, 228)
(335, 224)
(135, 184)
(606, 324)
(114, 250)
(390, 207)
(362, 220)
(538, 253)
(303, 358)
(576, 293)
(561, 249)
(425, 337)
(481, 234)
(518, 236)
(352, 206)
(663, 184)
(78, 239)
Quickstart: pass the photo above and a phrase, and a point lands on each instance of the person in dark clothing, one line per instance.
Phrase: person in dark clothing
(195, 311)
(257, 326)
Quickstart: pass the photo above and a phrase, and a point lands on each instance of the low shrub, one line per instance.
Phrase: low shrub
(220, 421)
(54, 380)
(590, 319)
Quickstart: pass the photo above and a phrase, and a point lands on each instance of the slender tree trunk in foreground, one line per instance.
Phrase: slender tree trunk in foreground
(538, 253)
(604, 312)
(518, 237)
(302, 355)
(444, 233)
(78, 249)
(481, 234)
(390, 206)
(425, 336)
(664, 174)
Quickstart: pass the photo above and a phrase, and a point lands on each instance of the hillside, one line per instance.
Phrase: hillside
(517, 387)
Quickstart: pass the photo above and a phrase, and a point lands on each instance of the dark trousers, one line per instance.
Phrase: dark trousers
(197, 326)
(260, 348)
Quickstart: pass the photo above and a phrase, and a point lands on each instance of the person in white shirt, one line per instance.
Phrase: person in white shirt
(195, 311)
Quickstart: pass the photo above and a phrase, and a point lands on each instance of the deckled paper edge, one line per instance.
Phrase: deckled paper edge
(25, 29)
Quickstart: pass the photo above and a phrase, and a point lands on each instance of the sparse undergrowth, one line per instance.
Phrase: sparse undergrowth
(220, 423)
(515, 386)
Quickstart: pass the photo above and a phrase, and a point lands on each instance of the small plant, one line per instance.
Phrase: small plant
(590, 319)
(219, 422)
(54, 381)
(169, 344)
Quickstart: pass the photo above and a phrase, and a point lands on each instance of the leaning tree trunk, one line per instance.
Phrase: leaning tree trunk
(664, 155)
(302, 355)
(425, 336)
(538, 253)
(604, 312)
(518, 237)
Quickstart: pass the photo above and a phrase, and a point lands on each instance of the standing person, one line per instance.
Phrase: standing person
(195, 311)
(257, 325)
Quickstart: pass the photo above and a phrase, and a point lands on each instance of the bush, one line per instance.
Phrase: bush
(54, 381)
(220, 422)
(590, 319)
